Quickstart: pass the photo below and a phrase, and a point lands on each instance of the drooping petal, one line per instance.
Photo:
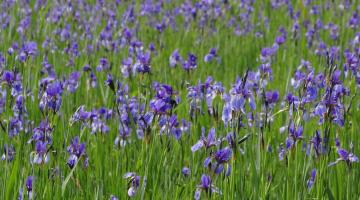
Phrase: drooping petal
(132, 191)
(197, 146)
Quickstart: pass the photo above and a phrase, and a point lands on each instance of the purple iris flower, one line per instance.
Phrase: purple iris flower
(142, 64)
(280, 40)
(133, 184)
(206, 186)
(28, 49)
(170, 125)
(282, 153)
(103, 64)
(311, 181)
(320, 111)
(29, 186)
(165, 99)
(211, 55)
(175, 58)
(110, 82)
(221, 157)
(190, 63)
(295, 134)
(51, 98)
(186, 171)
(206, 142)
(126, 67)
(345, 156)
(41, 155)
(80, 115)
(15, 126)
(226, 114)
(76, 151)
(317, 142)
(73, 81)
(271, 97)
(113, 197)
(93, 79)
(8, 77)
(9, 153)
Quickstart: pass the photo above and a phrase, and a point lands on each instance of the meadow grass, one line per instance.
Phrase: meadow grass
(256, 172)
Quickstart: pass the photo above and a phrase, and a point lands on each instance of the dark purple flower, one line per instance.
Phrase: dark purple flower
(41, 155)
(103, 64)
(28, 49)
(9, 153)
(170, 125)
(126, 69)
(15, 126)
(113, 197)
(8, 77)
(76, 151)
(73, 81)
(226, 114)
(280, 40)
(311, 181)
(175, 58)
(221, 158)
(346, 156)
(206, 186)
(186, 171)
(165, 99)
(80, 115)
(29, 186)
(211, 55)
(190, 63)
(317, 143)
(223, 155)
(134, 183)
(143, 63)
(51, 98)
(271, 97)
(295, 134)
(282, 153)
(206, 142)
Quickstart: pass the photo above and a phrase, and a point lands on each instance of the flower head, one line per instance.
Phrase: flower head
(311, 180)
(76, 151)
(345, 156)
(206, 186)
(206, 142)
(134, 183)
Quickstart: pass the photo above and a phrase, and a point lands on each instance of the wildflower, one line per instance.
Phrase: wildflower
(271, 97)
(345, 156)
(9, 153)
(8, 77)
(134, 183)
(113, 197)
(73, 82)
(186, 171)
(211, 55)
(206, 186)
(175, 58)
(280, 40)
(190, 63)
(29, 186)
(295, 134)
(51, 98)
(221, 157)
(76, 151)
(41, 155)
(311, 181)
(206, 142)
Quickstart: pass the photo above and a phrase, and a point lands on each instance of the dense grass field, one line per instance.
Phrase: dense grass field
(211, 99)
